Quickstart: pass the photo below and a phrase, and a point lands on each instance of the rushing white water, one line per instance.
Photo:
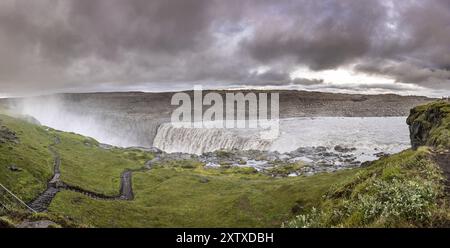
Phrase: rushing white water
(368, 132)
(198, 141)
(369, 135)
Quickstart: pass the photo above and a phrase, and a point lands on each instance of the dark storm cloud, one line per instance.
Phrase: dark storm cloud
(321, 35)
(71, 45)
(407, 40)
(61, 43)
(408, 73)
(156, 26)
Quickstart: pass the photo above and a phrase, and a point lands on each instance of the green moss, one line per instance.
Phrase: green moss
(285, 169)
(185, 164)
(240, 170)
(223, 154)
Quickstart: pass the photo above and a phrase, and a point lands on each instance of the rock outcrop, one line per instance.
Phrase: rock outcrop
(430, 125)
(7, 136)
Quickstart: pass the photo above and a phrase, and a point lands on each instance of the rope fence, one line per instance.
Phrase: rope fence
(8, 200)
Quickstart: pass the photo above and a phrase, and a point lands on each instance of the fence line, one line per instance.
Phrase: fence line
(17, 198)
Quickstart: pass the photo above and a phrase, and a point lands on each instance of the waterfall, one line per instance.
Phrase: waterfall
(201, 140)
(369, 135)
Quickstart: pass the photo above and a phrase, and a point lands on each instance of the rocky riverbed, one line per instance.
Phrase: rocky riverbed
(304, 161)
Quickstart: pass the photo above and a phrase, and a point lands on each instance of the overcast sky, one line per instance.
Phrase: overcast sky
(364, 46)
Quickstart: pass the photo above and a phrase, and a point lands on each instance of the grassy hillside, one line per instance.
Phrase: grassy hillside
(173, 196)
(86, 165)
(25, 162)
(403, 190)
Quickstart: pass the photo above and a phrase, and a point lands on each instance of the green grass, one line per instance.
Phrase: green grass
(90, 167)
(285, 170)
(403, 190)
(30, 154)
(177, 197)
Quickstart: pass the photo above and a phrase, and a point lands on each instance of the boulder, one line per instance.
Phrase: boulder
(37, 224)
(7, 136)
(343, 149)
(14, 168)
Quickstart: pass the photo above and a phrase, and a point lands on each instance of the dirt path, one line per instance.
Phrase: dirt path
(42, 202)
(443, 160)
(126, 186)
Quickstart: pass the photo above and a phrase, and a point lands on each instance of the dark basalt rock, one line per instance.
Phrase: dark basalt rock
(430, 124)
(381, 154)
(8, 136)
(342, 149)
(418, 133)
(14, 168)
(204, 180)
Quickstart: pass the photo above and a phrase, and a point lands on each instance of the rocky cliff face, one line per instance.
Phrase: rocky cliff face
(430, 125)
